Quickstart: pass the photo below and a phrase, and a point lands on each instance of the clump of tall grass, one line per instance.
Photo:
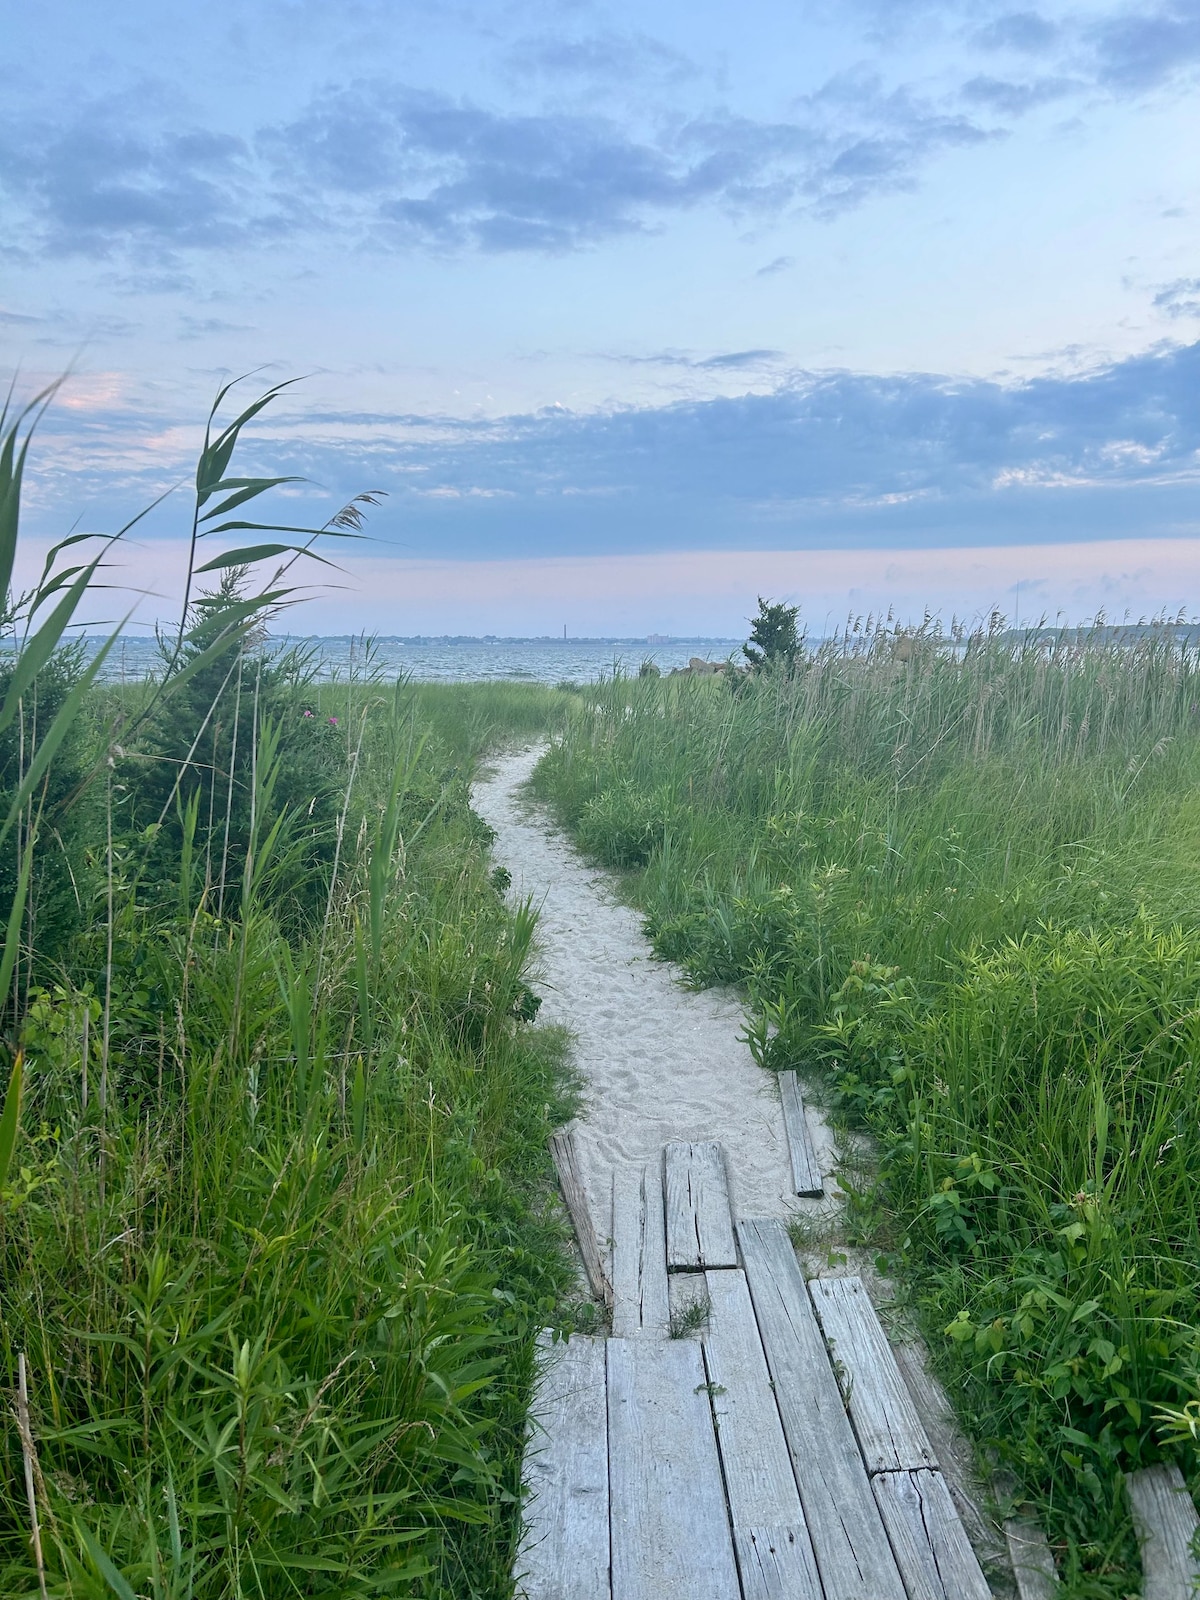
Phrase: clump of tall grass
(274, 1234)
(956, 874)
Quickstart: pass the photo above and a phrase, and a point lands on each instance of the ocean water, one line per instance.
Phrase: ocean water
(459, 660)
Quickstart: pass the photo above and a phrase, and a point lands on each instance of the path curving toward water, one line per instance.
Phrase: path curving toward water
(659, 1062)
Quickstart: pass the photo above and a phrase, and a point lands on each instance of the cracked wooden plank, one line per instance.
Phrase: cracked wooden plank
(563, 1553)
(854, 1557)
(930, 1542)
(806, 1170)
(1166, 1522)
(669, 1522)
(639, 1257)
(1032, 1559)
(885, 1420)
(562, 1150)
(774, 1551)
(956, 1461)
(699, 1220)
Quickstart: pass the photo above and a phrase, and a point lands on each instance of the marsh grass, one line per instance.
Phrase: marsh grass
(276, 1217)
(957, 876)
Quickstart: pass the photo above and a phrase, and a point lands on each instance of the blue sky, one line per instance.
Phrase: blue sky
(593, 286)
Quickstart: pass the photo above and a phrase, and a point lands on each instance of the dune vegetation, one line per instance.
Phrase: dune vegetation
(956, 879)
(276, 1226)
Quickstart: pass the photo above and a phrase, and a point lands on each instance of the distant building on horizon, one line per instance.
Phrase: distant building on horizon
(658, 638)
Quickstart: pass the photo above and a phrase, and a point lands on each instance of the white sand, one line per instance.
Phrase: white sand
(659, 1061)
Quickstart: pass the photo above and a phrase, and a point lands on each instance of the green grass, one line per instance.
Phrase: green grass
(959, 881)
(277, 1216)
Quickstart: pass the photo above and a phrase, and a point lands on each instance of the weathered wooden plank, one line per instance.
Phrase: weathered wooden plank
(776, 1564)
(774, 1550)
(1166, 1522)
(886, 1423)
(1032, 1559)
(564, 1546)
(930, 1541)
(853, 1555)
(955, 1458)
(806, 1170)
(639, 1257)
(562, 1149)
(669, 1523)
(699, 1220)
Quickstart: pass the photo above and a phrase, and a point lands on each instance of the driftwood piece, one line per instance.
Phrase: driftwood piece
(562, 1149)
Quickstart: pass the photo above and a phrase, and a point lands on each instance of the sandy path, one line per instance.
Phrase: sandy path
(659, 1061)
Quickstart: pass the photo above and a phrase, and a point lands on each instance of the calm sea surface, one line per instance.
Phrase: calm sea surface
(461, 660)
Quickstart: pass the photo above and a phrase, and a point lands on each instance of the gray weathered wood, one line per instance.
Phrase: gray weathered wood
(1032, 1559)
(886, 1423)
(639, 1257)
(853, 1555)
(564, 1546)
(699, 1221)
(562, 1149)
(774, 1550)
(1166, 1522)
(776, 1564)
(669, 1523)
(955, 1457)
(806, 1170)
(930, 1541)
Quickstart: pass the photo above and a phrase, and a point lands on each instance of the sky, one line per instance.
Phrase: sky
(634, 312)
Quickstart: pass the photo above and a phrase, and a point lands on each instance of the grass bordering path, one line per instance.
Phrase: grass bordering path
(277, 1283)
(961, 881)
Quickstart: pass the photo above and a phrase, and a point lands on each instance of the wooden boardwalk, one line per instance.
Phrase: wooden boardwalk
(775, 1456)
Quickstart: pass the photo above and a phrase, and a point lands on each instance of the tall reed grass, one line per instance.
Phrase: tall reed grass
(956, 878)
(275, 1219)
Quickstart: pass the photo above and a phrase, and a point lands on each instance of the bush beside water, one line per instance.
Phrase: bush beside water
(958, 879)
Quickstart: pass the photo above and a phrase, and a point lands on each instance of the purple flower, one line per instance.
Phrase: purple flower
(334, 721)
(308, 713)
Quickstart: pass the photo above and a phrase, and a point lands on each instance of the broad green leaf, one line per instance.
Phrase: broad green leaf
(10, 1117)
(41, 647)
(249, 490)
(12, 934)
(55, 735)
(103, 1564)
(247, 556)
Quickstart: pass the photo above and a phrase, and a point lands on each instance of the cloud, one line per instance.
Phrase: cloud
(731, 360)
(1024, 31)
(1013, 99)
(1179, 299)
(399, 168)
(1142, 48)
(780, 264)
(599, 58)
(105, 178)
(210, 327)
(822, 456)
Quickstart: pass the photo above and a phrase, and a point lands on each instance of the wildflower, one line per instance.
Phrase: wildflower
(308, 713)
(333, 720)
